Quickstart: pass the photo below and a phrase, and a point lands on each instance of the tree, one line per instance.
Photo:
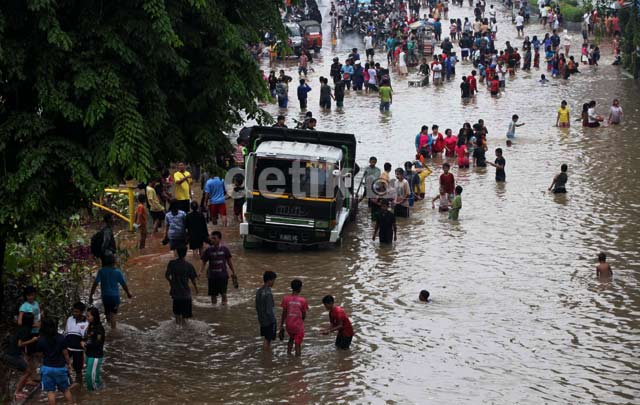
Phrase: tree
(92, 91)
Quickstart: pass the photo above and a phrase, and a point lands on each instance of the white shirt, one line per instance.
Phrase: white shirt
(372, 76)
(492, 13)
(591, 112)
(543, 12)
(519, 21)
(401, 59)
(368, 42)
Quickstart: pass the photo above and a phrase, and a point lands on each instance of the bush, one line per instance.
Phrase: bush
(573, 3)
(57, 262)
(571, 13)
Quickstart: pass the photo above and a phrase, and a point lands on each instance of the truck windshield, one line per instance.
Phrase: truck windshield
(315, 179)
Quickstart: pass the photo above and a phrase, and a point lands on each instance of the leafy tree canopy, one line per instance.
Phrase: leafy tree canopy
(92, 91)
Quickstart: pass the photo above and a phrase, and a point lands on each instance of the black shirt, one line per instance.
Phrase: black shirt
(94, 345)
(479, 157)
(196, 226)
(464, 87)
(386, 220)
(325, 92)
(561, 182)
(179, 272)
(500, 173)
(52, 351)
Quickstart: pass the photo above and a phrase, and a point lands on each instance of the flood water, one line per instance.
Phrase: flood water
(517, 313)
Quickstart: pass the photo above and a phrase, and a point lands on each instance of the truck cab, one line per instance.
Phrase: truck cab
(298, 185)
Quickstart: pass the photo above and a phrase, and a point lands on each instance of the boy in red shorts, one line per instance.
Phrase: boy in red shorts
(294, 311)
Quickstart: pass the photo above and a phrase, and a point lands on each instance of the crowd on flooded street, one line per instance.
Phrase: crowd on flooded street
(464, 52)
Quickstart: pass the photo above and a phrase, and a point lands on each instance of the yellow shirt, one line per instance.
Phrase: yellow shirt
(154, 201)
(182, 189)
(422, 175)
(563, 115)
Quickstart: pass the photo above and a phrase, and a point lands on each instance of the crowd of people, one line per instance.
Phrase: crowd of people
(74, 358)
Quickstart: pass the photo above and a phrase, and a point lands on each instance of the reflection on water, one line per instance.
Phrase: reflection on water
(517, 314)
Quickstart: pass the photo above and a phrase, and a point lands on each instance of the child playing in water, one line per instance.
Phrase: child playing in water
(511, 132)
(424, 296)
(456, 205)
(294, 311)
(443, 198)
(499, 164)
(562, 120)
(603, 270)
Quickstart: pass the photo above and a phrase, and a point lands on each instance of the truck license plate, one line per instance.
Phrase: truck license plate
(288, 237)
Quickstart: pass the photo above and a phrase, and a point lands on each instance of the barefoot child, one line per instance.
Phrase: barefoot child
(424, 296)
(385, 224)
(20, 355)
(110, 279)
(603, 270)
(562, 120)
(294, 311)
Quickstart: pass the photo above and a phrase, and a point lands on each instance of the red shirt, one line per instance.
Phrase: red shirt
(448, 182)
(296, 307)
(450, 143)
(438, 143)
(495, 86)
(472, 84)
(337, 315)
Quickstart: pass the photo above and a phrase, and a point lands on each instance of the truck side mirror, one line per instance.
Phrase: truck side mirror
(336, 173)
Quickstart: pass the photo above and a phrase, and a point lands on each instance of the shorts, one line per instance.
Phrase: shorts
(296, 337)
(343, 342)
(465, 52)
(339, 103)
(184, 205)
(269, 332)
(157, 215)
(218, 286)
(560, 190)
(54, 377)
(110, 304)
(176, 243)
(237, 206)
(369, 52)
(182, 307)
(384, 105)
(495, 93)
(401, 211)
(215, 209)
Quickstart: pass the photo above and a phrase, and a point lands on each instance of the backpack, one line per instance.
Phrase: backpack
(96, 243)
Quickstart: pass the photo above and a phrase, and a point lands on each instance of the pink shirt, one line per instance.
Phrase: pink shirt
(295, 306)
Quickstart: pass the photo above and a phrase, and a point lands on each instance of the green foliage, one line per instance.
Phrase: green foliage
(629, 20)
(57, 262)
(571, 12)
(94, 91)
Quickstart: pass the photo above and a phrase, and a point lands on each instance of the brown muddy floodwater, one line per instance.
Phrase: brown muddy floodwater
(517, 314)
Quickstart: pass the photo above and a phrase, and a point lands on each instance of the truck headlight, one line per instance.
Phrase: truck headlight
(322, 224)
(257, 218)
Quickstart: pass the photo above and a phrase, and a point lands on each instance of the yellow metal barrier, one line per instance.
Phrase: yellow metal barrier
(128, 189)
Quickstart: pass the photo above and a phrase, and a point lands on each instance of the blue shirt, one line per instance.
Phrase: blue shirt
(303, 89)
(177, 224)
(215, 188)
(109, 278)
(34, 309)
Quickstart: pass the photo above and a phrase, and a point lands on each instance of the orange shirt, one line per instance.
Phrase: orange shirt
(141, 215)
